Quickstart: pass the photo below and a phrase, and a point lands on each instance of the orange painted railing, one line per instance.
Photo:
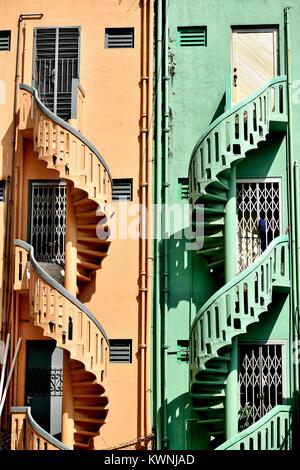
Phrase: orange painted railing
(64, 148)
(62, 317)
(26, 434)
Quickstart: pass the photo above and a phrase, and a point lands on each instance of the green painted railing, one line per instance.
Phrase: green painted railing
(237, 304)
(272, 432)
(235, 132)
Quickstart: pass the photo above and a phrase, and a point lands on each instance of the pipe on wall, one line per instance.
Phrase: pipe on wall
(165, 201)
(145, 274)
(294, 229)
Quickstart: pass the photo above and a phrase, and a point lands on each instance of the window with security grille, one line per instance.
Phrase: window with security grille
(256, 199)
(2, 191)
(48, 221)
(119, 38)
(5, 40)
(260, 380)
(122, 189)
(56, 66)
(192, 36)
(120, 350)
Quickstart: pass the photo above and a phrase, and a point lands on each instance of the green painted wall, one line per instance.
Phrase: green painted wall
(196, 94)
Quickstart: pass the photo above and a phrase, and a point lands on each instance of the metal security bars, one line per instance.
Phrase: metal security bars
(122, 189)
(119, 38)
(48, 221)
(56, 65)
(253, 197)
(5, 40)
(120, 350)
(192, 36)
(260, 378)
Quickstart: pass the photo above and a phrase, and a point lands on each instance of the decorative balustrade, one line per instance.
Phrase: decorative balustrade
(272, 432)
(237, 304)
(62, 317)
(236, 131)
(26, 434)
(64, 148)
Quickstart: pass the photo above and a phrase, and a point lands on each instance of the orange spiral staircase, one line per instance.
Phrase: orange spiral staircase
(53, 308)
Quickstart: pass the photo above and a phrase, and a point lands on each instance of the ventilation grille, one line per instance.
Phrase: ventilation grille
(192, 36)
(184, 188)
(122, 189)
(120, 350)
(183, 350)
(119, 38)
(2, 191)
(4, 40)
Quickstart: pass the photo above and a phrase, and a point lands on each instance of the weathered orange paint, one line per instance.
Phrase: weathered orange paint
(114, 97)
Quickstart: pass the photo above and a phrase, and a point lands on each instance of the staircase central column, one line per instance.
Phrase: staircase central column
(71, 286)
(232, 401)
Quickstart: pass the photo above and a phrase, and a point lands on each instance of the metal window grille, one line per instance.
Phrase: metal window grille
(2, 191)
(183, 188)
(261, 378)
(56, 66)
(252, 198)
(5, 40)
(48, 221)
(192, 36)
(119, 38)
(120, 350)
(44, 382)
(122, 189)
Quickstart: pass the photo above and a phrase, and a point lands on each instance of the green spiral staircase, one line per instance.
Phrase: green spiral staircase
(242, 301)
(225, 143)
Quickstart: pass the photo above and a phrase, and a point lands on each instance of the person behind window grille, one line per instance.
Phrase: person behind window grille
(262, 231)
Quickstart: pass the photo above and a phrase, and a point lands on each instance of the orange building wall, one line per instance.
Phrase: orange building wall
(112, 108)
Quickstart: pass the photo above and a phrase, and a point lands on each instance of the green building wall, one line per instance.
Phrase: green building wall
(192, 80)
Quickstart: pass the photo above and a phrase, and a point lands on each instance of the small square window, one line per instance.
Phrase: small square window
(116, 38)
(4, 40)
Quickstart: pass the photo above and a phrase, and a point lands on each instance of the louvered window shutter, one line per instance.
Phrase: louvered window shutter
(120, 350)
(116, 38)
(192, 36)
(56, 65)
